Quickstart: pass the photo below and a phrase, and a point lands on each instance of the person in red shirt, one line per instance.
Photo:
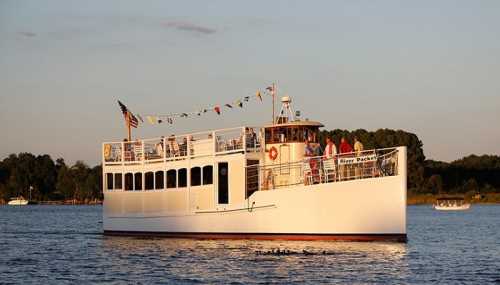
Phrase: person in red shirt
(345, 170)
(345, 147)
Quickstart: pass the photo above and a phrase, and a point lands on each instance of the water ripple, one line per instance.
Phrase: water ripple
(63, 244)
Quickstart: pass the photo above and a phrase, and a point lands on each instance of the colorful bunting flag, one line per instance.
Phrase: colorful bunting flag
(259, 96)
(217, 110)
(152, 119)
(239, 103)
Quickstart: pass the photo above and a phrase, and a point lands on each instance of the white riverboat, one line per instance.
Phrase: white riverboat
(253, 183)
(451, 204)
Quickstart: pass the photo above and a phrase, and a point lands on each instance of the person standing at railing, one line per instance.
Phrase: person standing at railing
(330, 149)
(345, 149)
(358, 149)
(159, 147)
(312, 151)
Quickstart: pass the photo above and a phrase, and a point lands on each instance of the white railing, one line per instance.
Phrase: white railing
(316, 170)
(179, 147)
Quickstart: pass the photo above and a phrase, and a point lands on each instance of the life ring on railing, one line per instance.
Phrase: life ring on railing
(273, 153)
(107, 151)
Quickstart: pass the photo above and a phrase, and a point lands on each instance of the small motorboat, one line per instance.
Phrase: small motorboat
(18, 201)
(451, 204)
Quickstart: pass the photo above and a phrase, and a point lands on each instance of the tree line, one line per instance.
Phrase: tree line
(50, 180)
(54, 180)
(471, 174)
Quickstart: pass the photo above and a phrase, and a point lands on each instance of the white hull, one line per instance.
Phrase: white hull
(452, 208)
(360, 207)
(18, 202)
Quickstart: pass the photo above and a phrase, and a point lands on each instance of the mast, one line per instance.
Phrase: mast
(273, 93)
(128, 127)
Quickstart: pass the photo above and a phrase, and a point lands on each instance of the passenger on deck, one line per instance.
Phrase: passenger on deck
(358, 149)
(345, 170)
(309, 150)
(159, 147)
(330, 149)
(358, 146)
(345, 147)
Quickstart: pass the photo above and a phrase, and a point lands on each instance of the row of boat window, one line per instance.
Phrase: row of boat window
(175, 178)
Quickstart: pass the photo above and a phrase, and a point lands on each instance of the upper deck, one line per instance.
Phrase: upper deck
(181, 147)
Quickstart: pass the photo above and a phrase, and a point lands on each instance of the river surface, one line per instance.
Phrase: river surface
(64, 244)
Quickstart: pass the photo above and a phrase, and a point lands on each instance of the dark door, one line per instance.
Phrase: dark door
(223, 192)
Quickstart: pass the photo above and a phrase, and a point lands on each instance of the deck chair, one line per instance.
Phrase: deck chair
(329, 170)
(308, 175)
(137, 151)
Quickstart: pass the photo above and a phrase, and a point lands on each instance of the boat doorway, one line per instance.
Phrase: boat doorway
(223, 183)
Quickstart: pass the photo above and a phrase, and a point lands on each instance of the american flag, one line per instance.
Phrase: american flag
(129, 117)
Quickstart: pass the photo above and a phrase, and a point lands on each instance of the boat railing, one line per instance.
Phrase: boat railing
(319, 169)
(163, 149)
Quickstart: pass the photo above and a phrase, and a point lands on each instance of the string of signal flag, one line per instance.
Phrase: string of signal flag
(133, 120)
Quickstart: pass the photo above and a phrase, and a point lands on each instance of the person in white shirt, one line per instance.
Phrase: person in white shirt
(330, 149)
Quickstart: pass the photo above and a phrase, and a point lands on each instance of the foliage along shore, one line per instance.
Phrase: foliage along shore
(427, 179)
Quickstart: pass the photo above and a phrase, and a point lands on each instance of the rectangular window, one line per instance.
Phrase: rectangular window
(118, 181)
(149, 183)
(182, 177)
(159, 180)
(129, 181)
(138, 181)
(172, 178)
(109, 181)
(195, 176)
(208, 175)
(223, 187)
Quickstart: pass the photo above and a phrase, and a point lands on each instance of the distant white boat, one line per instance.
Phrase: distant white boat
(18, 201)
(451, 204)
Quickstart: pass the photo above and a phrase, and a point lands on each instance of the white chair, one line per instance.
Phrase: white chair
(329, 170)
(138, 151)
(308, 175)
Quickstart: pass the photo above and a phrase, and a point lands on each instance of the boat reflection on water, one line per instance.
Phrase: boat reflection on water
(250, 260)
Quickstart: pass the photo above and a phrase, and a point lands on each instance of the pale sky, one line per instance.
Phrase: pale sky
(428, 67)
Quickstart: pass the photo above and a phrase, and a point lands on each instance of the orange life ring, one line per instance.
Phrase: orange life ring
(273, 153)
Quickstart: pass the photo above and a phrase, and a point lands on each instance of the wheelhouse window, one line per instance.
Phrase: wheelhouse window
(182, 177)
(149, 181)
(138, 181)
(208, 175)
(291, 134)
(159, 180)
(172, 178)
(129, 181)
(196, 176)
(118, 181)
(109, 181)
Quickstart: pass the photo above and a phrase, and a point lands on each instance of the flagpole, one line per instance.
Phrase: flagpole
(273, 93)
(128, 127)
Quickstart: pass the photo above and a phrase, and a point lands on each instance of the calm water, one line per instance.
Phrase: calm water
(63, 244)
